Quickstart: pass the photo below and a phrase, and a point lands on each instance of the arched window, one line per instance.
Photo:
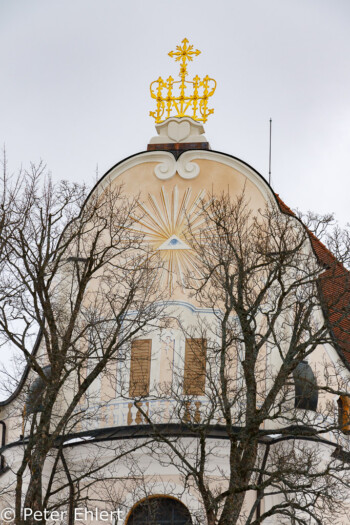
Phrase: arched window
(344, 414)
(160, 511)
(306, 392)
(36, 392)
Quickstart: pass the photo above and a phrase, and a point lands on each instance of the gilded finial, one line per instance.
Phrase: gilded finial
(171, 94)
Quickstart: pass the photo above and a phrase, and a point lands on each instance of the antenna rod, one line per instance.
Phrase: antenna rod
(270, 152)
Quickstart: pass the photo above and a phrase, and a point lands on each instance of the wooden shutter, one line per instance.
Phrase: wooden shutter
(195, 364)
(140, 367)
(344, 413)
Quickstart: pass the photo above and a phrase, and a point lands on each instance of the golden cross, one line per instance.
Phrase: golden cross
(171, 94)
(184, 53)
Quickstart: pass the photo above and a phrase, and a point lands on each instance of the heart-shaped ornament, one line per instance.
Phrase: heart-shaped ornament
(178, 131)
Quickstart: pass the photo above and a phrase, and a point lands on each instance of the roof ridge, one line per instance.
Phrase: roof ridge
(334, 287)
(314, 240)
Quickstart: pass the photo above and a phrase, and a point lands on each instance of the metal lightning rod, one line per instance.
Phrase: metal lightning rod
(270, 152)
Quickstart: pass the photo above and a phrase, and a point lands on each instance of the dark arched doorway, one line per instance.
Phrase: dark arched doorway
(160, 511)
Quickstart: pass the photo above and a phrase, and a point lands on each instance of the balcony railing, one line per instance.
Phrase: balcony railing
(126, 413)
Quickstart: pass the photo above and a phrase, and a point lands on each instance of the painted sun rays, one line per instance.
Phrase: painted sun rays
(168, 222)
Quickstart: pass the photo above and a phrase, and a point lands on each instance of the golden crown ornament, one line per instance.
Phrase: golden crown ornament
(171, 96)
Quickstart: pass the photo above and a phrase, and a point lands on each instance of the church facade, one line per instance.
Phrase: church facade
(194, 420)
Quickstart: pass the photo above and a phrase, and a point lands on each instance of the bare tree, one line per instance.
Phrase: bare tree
(246, 416)
(73, 270)
(259, 434)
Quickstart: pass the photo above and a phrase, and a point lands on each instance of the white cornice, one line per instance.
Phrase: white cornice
(185, 166)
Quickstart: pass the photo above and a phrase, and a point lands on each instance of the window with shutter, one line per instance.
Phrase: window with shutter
(195, 364)
(140, 368)
(344, 414)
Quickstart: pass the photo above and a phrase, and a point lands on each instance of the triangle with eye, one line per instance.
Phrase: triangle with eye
(174, 243)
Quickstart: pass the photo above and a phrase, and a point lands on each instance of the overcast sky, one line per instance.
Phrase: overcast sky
(75, 75)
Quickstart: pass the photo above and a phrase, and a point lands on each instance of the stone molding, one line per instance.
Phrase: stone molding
(179, 130)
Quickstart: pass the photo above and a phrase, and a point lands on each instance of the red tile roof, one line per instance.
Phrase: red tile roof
(335, 292)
